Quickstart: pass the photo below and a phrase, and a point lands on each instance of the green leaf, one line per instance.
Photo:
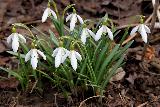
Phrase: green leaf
(12, 73)
(124, 35)
(24, 47)
(57, 25)
(53, 38)
(16, 54)
(121, 52)
(111, 73)
(106, 62)
(101, 57)
(46, 75)
(21, 25)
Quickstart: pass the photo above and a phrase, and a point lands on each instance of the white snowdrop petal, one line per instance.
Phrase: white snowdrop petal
(110, 34)
(91, 33)
(65, 56)
(15, 43)
(147, 29)
(28, 56)
(68, 17)
(42, 54)
(34, 53)
(73, 60)
(21, 38)
(99, 34)
(34, 58)
(73, 22)
(55, 52)
(53, 13)
(34, 62)
(143, 34)
(80, 19)
(84, 35)
(58, 58)
(9, 39)
(134, 30)
(45, 15)
(78, 56)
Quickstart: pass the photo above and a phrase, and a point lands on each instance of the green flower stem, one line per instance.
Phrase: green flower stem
(35, 74)
(66, 37)
(21, 73)
(56, 10)
(68, 77)
(25, 27)
(64, 11)
(90, 65)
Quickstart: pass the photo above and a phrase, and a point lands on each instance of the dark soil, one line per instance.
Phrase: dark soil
(140, 87)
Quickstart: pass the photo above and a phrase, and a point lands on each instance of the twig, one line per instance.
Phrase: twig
(55, 100)
(151, 27)
(149, 18)
(81, 104)
(143, 104)
(129, 39)
(34, 86)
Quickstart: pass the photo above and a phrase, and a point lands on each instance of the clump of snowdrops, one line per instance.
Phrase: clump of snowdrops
(81, 54)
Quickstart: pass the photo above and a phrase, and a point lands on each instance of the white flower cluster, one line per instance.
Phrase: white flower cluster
(61, 53)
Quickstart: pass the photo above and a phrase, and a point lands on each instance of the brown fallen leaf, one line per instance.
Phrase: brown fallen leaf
(4, 60)
(150, 53)
(131, 78)
(9, 83)
(119, 75)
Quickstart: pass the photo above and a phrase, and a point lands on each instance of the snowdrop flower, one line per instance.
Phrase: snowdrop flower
(73, 19)
(60, 55)
(86, 33)
(15, 38)
(73, 55)
(143, 30)
(33, 55)
(48, 12)
(103, 29)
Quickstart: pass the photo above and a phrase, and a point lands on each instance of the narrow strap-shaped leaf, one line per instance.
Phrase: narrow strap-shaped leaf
(46, 75)
(124, 35)
(53, 38)
(101, 57)
(95, 52)
(111, 73)
(120, 52)
(106, 62)
(12, 73)
(16, 54)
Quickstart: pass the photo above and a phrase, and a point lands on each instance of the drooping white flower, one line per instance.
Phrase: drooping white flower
(143, 30)
(86, 33)
(60, 55)
(103, 29)
(15, 38)
(48, 12)
(73, 19)
(73, 55)
(33, 55)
